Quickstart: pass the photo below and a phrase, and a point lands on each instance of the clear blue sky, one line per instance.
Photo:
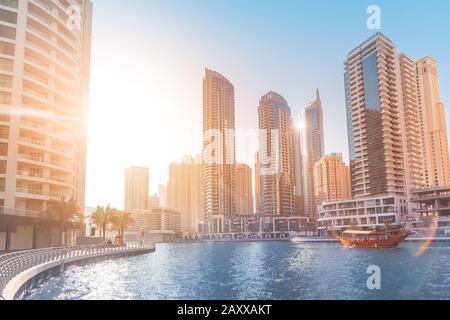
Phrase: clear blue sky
(292, 47)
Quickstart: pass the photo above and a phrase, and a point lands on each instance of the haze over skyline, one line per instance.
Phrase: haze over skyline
(148, 112)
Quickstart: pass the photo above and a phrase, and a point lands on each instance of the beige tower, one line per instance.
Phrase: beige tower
(276, 157)
(412, 132)
(136, 189)
(219, 151)
(44, 81)
(312, 150)
(434, 128)
(244, 190)
(185, 193)
(374, 118)
(331, 180)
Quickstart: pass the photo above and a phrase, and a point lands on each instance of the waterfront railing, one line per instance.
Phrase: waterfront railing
(13, 264)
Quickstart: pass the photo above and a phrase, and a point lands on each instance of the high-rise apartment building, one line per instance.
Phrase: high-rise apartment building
(44, 84)
(331, 180)
(185, 193)
(313, 149)
(374, 113)
(298, 170)
(244, 190)
(411, 124)
(433, 122)
(219, 150)
(136, 189)
(257, 185)
(276, 156)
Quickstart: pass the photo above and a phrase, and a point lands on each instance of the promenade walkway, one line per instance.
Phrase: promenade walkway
(22, 270)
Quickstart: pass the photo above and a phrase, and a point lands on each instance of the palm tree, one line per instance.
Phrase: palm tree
(64, 211)
(102, 218)
(121, 221)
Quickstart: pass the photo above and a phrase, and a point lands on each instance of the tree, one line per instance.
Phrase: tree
(64, 212)
(102, 217)
(121, 221)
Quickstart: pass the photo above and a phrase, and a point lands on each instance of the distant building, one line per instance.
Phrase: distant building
(136, 189)
(331, 179)
(219, 149)
(257, 185)
(165, 224)
(434, 126)
(244, 190)
(185, 193)
(412, 132)
(162, 195)
(153, 202)
(313, 149)
(276, 156)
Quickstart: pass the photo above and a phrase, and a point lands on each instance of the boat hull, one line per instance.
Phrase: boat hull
(393, 241)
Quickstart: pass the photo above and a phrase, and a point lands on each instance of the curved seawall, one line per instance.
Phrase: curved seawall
(23, 270)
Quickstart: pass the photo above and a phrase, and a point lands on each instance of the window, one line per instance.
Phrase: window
(6, 65)
(5, 98)
(10, 3)
(7, 32)
(7, 48)
(3, 149)
(8, 16)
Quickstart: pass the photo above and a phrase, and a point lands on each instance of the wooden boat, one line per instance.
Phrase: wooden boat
(373, 239)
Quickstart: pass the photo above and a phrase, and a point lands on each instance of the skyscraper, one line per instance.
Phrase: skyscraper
(434, 128)
(244, 190)
(411, 124)
(185, 193)
(219, 151)
(257, 185)
(276, 156)
(313, 149)
(298, 170)
(374, 112)
(331, 179)
(44, 84)
(136, 189)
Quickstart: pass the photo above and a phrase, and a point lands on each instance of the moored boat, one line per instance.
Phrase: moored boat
(370, 239)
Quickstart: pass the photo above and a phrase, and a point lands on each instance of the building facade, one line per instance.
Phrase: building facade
(377, 211)
(185, 193)
(219, 149)
(332, 180)
(313, 149)
(244, 190)
(44, 88)
(136, 189)
(434, 127)
(412, 131)
(276, 157)
(164, 224)
(374, 118)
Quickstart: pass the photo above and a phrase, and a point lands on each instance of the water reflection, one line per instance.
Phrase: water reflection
(258, 270)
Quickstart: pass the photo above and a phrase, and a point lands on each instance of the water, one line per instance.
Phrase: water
(258, 270)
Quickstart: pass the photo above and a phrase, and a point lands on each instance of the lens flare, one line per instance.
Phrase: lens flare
(430, 238)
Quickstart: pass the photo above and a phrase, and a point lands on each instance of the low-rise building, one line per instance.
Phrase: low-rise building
(433, 207)
(376, 211)
(164, 224)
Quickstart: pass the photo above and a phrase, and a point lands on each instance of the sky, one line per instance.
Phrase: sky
(149, 57)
